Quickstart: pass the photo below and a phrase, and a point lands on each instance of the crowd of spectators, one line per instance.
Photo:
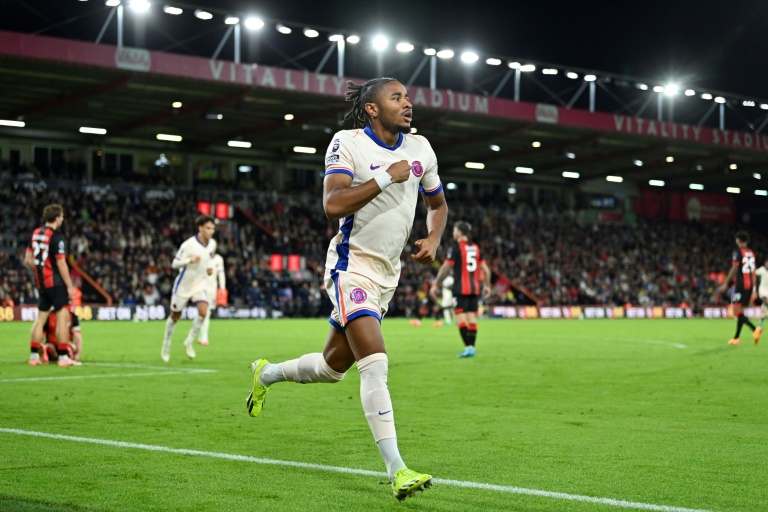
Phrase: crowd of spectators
(124, 238)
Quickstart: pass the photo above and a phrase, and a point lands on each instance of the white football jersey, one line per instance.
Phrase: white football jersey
(217, 278)
(371, 240)
(762, 273)
(192, 278)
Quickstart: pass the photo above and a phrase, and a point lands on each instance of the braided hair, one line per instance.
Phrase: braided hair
(359, 95)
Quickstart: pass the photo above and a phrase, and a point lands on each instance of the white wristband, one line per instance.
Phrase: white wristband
(383, 180)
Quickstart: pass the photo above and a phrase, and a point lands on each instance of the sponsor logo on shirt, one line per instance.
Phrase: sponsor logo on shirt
(417, 169)
(331, 159)
(374, 167)
(358, 295)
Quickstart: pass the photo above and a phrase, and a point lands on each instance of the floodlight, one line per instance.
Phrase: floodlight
(670, 159)
(511, 191)
(203, 15)
(176, 104)
(169, 138)
(335, 38)
(469, 57)
(656, 183)
(494, 147)
(304, 149)
(310, 32)
(514, 65)
(638, 163)
(706, 96)
(353, 39)
(536, 144)
(570, 174)
(239, 144)
(690, 92)
(173, 11)
(139, 6)
(549, 71)
(15, 124)
(253, 23)
(719, 99)
(658, 88)
(474, 165)
(671, 89)
(112, 3)
(288, 117)
(757, 175)
(524, 170)
(451, 186)
(379, 42)
(614, 179)
(527, 68)
(748, 103)
(696, 186)
(764, 106)
(445, 54)
(492, 61)
(283, 29)
(590, 78)
(570, 155)
(430, 51)
(641, 86)
(733, 167)
(93, 131)
(231, 20)
(404, 47)
(733, 190)
(572, 75)
(414, 129)
(761, 192)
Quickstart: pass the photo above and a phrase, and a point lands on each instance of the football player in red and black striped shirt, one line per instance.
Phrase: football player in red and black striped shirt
(74, 338)
(471, 276)
(47, 257)
(743, 273)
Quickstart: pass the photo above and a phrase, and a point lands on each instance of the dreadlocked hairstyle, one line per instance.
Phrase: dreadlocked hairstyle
(359, 95)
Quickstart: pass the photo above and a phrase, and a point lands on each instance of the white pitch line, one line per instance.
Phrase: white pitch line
(164, 371)
(305, 465)
(629, 340)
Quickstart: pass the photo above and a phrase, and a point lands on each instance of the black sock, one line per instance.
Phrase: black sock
(464, 331)
(472, 334)
(745, 321)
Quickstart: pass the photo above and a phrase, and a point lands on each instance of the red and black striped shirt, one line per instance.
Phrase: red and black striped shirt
(46, 246)
(465, 259)
(744, 261)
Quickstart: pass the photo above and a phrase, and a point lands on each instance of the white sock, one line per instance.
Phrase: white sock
(204, 328)
(169, 327)
(196, 324)
(271, 373)
(377, 406)
(391, 456)
(310, 368)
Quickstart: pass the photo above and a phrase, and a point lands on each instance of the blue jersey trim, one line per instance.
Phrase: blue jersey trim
(340, 171)
(178, 280)
(336, 324)
(433, 192)
(369, 132)
(364, 312)
(342, 248)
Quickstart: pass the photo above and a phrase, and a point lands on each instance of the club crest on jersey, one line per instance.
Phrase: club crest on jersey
(336, 145)
(358, 295)
(417, 169)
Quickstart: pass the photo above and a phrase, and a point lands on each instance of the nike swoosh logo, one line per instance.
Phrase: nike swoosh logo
(385, 412)
(374, 167)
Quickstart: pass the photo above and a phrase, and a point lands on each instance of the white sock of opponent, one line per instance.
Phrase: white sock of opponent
(169, 327)
(204, 327)
(196, 324)
(377, 406)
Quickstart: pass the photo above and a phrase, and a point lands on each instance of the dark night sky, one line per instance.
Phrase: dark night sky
(714, 44)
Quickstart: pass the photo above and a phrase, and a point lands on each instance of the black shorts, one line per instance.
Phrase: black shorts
(466, 303)
(55, 297)
(741, 296)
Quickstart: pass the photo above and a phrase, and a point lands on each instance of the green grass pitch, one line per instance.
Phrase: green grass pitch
(651, 414)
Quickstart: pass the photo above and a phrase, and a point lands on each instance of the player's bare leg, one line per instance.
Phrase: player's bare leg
(62, 338)
(37, 338)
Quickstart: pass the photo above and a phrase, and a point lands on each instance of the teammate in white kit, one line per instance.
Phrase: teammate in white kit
(374, 175)
(193, 259)
(761, 292)
(215, 280)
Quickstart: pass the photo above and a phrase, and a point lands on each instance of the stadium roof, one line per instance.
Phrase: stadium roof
(57, 86)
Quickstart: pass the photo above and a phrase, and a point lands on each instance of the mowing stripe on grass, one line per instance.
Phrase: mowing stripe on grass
(336, 469)
(165, 371)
